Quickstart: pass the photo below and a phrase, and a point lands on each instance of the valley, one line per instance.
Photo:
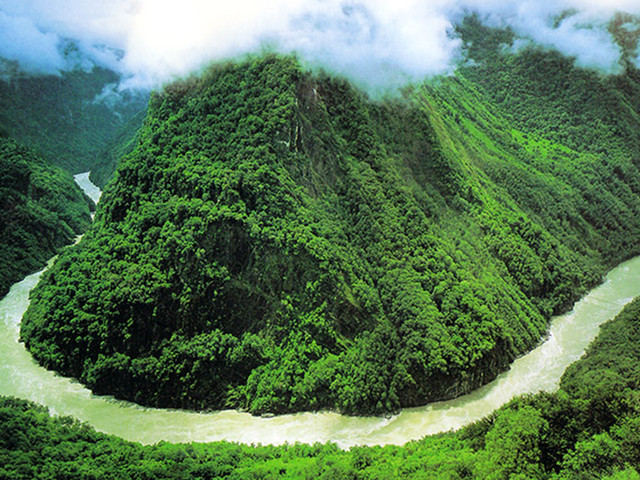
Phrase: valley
(295, 273)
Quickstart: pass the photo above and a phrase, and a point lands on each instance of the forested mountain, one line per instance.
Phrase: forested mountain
(69, 119)
(588, 429)
(277, 241)
(122, 143)
(76, 121)
(41, 210)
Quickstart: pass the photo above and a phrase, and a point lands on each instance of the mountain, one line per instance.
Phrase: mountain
(75, 121)
(69, 119)
(41, 210)
(276, 241)
(121, 144)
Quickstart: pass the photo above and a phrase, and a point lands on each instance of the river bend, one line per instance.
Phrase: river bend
(540, 369)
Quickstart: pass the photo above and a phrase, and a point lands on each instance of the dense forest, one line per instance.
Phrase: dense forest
(41, 210)
(588, 429)
(71, 120)
(50, 126)
(123, 142)
(276, 241)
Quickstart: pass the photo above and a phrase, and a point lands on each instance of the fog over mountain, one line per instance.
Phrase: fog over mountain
(373, 42)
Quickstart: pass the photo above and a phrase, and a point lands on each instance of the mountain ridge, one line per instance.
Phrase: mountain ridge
(278, 242)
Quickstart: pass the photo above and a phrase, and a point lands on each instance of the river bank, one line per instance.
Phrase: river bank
(540, 369)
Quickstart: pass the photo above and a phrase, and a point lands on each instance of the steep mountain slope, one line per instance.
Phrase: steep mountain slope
(580, 129)
(41, 210)
(123, 143)
(278, 242)
(68, 119)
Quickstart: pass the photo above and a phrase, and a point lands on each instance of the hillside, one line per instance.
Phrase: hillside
(123, 143)
(41, 210)
(278, 242)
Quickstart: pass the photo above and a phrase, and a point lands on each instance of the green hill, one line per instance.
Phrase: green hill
(278, 242)
(41, 210)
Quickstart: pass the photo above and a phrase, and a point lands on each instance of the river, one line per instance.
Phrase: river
(540, 369)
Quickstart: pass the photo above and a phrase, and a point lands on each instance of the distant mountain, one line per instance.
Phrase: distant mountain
(277, 242)
(73, 122)
(68, 119)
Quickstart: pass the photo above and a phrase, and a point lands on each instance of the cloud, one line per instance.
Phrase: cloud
(582, 33)
(93, 20)
(377, 43)
(371, 42)
(173, 38)
(23, 42)
(36, 33)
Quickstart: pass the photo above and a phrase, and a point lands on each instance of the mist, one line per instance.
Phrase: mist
(377, 44)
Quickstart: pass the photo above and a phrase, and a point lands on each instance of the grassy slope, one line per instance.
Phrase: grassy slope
(278, 242)
(581, 129)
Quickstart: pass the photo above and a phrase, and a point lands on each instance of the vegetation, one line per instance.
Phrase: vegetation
(68, 119)
(586, 430)
(122, 144)
(41, 210)
(278, 242)
(65, 121)
(275, 241)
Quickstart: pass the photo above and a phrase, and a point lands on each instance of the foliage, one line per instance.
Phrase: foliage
(122, 143)
(68, 119)
(588, 429)
(278, 242)
(41, 210)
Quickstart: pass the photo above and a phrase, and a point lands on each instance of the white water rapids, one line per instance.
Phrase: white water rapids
(540, 369)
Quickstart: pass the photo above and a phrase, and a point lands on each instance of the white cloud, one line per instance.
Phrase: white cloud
(172, 38)
(583, 34)
(22, 41)
(33, 31)
(93, 20)
(375, 42)
(372, 42)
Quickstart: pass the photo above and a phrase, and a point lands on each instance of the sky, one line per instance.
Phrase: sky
(376, 43)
